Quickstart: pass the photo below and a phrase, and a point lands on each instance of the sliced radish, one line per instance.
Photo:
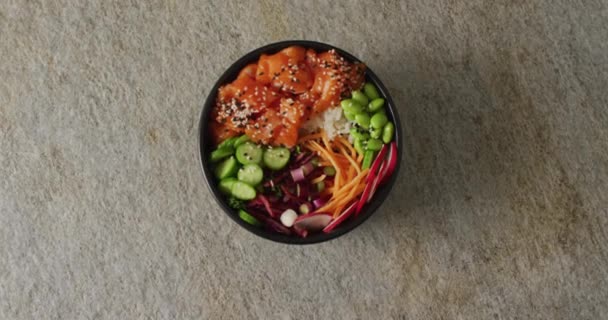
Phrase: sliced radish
(385, 164)
(343, 216)
(374, 169)
(313, 221)
(392, 162)
(364, 196)
(384, 170)
(371, 176)
(375, 184)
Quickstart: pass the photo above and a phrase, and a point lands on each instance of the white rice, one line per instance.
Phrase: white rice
(331, 120)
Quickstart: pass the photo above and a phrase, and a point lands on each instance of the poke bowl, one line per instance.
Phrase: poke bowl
(299, 142)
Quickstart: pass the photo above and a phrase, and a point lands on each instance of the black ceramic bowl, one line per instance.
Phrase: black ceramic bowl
(206, 146)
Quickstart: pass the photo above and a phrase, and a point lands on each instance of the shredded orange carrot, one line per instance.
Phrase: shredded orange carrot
(347, 144)
(349, 181)
(347, 193)
(326, 140)
(351, 184)
(351, 172)
(329, 157)
(325, 163)
(352, 161)
(310, 137)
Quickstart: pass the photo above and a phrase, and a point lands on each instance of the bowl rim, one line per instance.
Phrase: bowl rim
(228, 75)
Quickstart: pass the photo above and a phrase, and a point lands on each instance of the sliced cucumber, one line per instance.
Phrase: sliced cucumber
(276, 158)
(248, 153)
(243, 191)
(248, 218)
(227, 168)
(221, 153)
(251, 174)
(226, 185)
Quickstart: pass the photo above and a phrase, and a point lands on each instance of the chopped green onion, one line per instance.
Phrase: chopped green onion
(329, 171)
(320, 186)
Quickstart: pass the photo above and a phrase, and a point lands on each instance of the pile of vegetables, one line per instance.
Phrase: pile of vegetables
(271, 186)
(275, 177)
(316, 185)
(371, 127)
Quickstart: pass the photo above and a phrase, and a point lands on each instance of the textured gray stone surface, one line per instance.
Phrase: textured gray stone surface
(500, 212)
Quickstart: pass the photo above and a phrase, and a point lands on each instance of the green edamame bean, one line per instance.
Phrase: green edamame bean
(387, 132)
(359, 146)
(378, 120)
(362, 119)
(358, 134)
(349, 116)
(374, 144)
(351, 106)
(360, 97)
(375, 132)
(371, 91)
(375, 105)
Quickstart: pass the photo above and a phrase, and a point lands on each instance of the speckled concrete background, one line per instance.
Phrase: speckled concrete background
(500, 212)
